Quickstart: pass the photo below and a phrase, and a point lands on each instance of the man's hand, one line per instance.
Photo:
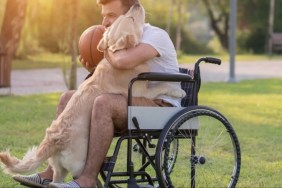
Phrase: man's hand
(87, 65)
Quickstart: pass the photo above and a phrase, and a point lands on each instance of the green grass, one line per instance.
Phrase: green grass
(45, 60)
(253, 108)
(23, 120)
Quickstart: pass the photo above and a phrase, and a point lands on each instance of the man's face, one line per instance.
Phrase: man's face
(111, 11)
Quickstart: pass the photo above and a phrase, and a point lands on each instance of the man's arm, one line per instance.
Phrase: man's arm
(132, 57)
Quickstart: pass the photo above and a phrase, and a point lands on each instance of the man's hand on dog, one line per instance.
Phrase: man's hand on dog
(87, 65)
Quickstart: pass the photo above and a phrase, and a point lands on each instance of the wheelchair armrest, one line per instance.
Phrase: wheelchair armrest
(160, 76)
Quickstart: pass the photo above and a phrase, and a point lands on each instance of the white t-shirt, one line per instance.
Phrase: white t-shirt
(167, 61)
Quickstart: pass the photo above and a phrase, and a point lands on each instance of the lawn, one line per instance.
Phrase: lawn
(253, 108)
(44, 60)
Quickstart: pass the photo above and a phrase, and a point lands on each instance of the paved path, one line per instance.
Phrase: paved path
(26, 82)
(243, 71)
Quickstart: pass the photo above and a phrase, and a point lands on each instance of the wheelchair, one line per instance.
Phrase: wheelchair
(188, 146)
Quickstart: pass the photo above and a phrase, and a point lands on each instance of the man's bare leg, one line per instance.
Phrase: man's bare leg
(107, 109)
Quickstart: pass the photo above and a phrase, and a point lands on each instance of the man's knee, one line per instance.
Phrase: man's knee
(64, 99)
(112, 104)
(113, 107)
(102, 102)
(109, 101)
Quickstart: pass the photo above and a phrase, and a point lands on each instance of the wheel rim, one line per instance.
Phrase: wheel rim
(210, 159)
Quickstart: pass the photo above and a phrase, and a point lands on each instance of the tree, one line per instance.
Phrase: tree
(253, 25)
(218, 13)
(74, 7)
(169, 17)
(179, 24)
(10, 36)
(68, 40)
(270, 26)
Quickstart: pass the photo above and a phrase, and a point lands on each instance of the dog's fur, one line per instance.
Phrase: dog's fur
(66, 140)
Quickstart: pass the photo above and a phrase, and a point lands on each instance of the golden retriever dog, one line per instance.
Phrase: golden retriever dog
(66, 140)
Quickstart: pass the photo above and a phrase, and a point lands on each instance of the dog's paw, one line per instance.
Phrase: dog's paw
(178, 93)
(102, 46)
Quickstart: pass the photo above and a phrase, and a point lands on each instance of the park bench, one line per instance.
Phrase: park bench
(2, 69)
(276, 41)
(5, 87)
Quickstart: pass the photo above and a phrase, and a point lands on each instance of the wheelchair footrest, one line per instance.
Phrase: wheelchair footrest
(109, 164)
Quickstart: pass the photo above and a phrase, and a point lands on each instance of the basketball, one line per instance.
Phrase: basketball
(88, 42)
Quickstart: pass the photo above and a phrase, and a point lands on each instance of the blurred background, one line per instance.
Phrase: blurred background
(33, 28)
(39, 55)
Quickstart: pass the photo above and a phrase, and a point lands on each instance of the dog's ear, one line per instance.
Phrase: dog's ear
(130, 41)
(102, 46)
(118, 45)
(123, 43)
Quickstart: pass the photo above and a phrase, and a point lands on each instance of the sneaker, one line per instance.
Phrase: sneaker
(32, 181)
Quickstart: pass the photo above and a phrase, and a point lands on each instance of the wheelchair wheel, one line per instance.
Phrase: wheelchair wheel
(171, 154)
(208, 153)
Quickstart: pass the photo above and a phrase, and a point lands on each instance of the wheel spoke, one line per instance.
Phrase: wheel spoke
(207, 160)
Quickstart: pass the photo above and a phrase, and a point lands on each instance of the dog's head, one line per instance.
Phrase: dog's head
(126, 31)
(137, 13)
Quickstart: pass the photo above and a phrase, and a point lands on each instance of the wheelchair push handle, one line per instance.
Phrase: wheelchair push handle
(212, 60)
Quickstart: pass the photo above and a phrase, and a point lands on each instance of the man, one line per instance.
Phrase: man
(109, 113)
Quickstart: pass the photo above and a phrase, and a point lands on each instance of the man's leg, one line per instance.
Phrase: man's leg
(109, 112)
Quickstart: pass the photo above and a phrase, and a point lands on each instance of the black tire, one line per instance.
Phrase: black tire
(99, 184)
(171, 154)
(208, 150)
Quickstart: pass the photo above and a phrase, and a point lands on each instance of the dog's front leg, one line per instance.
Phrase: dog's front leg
(59, 172)
(103, 45)
(163, 89)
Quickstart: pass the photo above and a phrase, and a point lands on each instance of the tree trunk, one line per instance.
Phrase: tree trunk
(73, 75)
(169, 17)
(10, 36)
(179, 25)
(222, 34)
(270, 25)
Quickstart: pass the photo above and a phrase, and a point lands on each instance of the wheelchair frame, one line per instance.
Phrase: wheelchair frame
(172, 135)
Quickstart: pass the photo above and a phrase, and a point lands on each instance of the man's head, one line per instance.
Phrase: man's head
(112, 9)
(126, 3)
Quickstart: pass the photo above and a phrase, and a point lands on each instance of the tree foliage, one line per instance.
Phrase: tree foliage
(48, 23)
(253, 24)
(252, 16)
(218, 12)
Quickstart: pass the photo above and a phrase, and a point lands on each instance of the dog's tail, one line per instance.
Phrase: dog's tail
(30, 162)
(56, 138)
(32, 159)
